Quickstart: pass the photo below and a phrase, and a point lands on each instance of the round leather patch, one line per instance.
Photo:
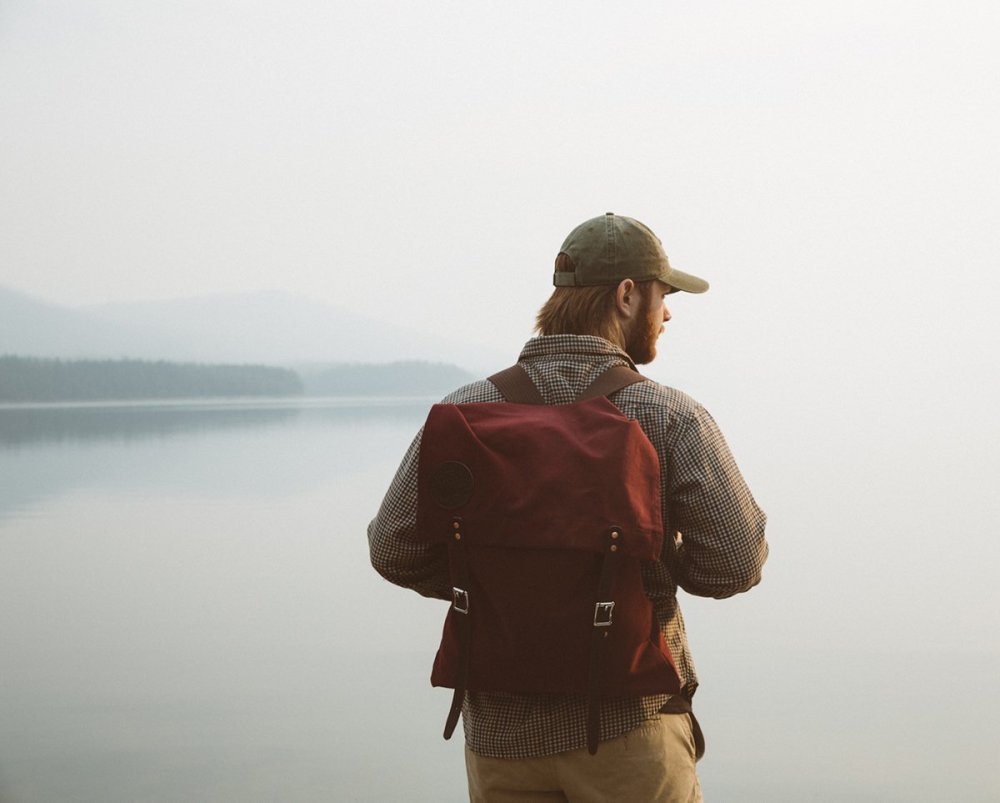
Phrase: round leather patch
(451, 484)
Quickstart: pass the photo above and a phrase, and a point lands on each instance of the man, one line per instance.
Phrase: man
(612, 278)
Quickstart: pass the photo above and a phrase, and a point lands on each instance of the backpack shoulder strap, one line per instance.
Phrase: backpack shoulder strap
(516, 386)
(615, 378)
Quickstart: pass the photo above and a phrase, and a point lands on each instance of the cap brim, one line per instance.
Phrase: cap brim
(679, 280)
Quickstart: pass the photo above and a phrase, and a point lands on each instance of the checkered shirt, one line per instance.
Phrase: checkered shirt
(720, 553)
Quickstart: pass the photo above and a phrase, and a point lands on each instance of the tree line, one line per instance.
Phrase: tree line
(36, 379)
(42, 379)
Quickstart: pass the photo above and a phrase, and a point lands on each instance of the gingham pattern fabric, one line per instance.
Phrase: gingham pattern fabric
(720, 553)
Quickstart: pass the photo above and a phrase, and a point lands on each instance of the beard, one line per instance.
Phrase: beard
(640, 341)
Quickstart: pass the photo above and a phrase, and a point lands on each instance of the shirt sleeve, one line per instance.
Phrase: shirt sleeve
(721, 549)
(395, 552)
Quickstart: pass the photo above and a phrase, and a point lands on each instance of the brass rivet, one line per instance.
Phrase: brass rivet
(614, 547)
(455, 525)
(614, 533)
(458, 536)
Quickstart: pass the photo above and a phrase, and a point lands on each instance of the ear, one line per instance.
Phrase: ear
(627, 300)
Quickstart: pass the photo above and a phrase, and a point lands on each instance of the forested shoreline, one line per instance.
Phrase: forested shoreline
(37, 379)
(43, 379)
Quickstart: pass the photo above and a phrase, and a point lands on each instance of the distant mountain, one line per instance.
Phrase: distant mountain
(35, 328)
(272, 328)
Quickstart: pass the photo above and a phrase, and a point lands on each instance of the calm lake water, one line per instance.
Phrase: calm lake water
(187, 613)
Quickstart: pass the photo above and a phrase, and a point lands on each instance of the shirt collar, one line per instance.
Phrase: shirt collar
(583, 346)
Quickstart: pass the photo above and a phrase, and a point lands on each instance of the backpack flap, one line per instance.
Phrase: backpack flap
(538, 477)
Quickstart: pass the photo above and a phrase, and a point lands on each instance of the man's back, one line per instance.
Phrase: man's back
(608, 308)
(704, 497)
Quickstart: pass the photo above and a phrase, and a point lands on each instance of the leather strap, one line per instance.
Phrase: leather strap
(461, 604)
(681, 704)
(516, 386)
(603, 619)
(615, 378)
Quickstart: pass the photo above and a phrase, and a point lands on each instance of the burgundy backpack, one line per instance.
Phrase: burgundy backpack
(548, 512)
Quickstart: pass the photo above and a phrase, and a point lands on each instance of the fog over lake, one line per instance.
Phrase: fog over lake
(188, 613)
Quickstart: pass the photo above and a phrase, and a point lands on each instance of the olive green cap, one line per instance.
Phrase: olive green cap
(607, 249)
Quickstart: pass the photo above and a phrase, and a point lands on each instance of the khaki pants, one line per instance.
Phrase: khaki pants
(653, 764)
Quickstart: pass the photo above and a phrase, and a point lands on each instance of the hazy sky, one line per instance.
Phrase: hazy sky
(424, 160)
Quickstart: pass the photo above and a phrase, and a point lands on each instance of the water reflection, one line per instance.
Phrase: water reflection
(187, 610)
(203, 450)
(22, 425)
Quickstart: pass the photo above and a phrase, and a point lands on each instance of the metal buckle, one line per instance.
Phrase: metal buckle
(460, 599)
(602, 614)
